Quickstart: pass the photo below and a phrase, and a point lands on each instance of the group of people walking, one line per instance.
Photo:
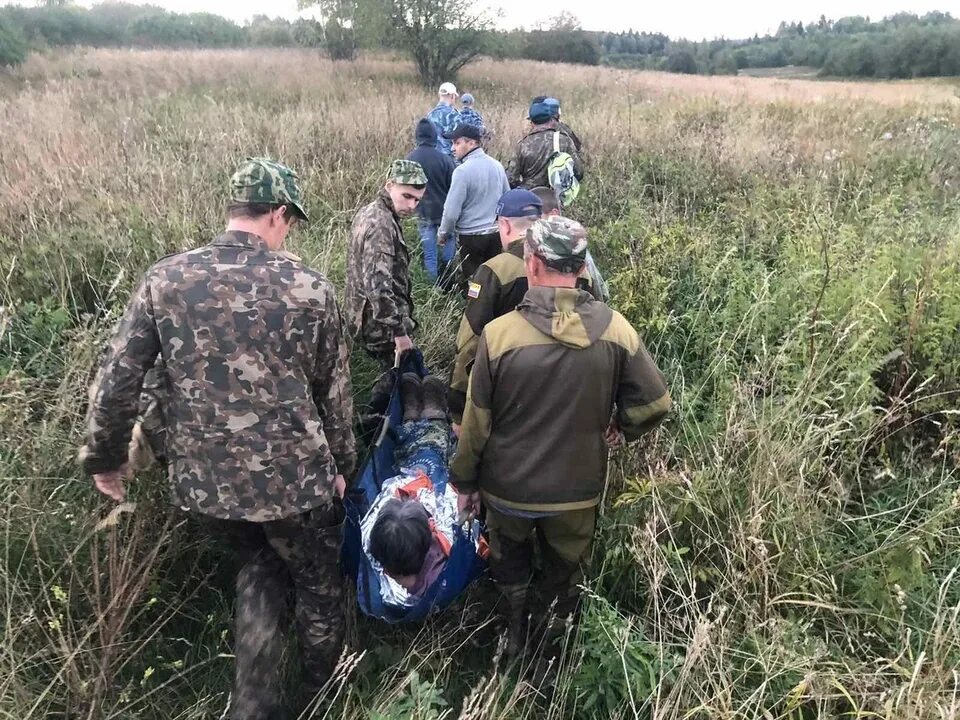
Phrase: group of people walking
(252, 381)
(464, 182)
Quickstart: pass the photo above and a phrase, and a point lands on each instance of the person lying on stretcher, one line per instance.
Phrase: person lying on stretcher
(409, 529)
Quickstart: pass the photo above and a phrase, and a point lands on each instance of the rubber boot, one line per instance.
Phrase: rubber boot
(411, 396)
(434, 398)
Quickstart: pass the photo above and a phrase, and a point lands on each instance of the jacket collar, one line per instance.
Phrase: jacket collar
(238, 238)
(384, 199)
(515, 247)
(475, 153)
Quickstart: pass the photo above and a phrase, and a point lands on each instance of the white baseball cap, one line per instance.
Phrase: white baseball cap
(448, 89)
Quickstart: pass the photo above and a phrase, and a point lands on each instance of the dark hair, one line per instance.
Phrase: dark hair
(549, 199)
(255, 210)
(539, 99)
(400, 538)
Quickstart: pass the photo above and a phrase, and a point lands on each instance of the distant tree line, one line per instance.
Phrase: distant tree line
(901, 46)
(442, 35)
(126, 25)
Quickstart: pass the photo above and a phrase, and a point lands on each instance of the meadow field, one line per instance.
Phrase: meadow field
(786, 546)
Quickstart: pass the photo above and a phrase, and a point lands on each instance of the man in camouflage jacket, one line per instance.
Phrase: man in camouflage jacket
(258, 415)
(528, 169)
(378, 294)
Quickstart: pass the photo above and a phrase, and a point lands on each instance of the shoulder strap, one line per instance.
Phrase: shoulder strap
(556, 141)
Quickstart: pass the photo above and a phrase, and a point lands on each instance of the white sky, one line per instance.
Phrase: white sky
(692, 19)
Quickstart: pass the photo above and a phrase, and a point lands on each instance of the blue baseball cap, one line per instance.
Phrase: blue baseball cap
(467, 99)
(519, 203)
(540, 113)
(554, 105)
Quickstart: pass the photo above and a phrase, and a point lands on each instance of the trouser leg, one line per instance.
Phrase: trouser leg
(447, 266)
(428, 242)
(566, 541)
(474, 251)
(511, 558)
(309, 545)
(262, 585)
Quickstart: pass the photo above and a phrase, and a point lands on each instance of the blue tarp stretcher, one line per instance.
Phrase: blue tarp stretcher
(463, 565)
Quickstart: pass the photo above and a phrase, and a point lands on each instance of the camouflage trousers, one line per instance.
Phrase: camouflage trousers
(299, 553)
(565, 541)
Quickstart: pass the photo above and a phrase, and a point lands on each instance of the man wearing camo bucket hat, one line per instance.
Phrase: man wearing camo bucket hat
(257, 418)
(378, 293)
(551, 382)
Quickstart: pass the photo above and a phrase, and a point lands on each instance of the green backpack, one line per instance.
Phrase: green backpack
(560, 174)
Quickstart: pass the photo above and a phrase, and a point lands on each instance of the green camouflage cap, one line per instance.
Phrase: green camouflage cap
(560, 242)
(259, 180)
(406, 172)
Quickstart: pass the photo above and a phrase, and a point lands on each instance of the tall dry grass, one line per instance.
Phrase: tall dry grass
(784, 547)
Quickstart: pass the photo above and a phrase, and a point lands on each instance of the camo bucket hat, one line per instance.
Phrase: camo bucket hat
(406, 172)
(560, 242)
(259, 180)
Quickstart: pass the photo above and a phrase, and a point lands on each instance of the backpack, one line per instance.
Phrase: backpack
(560, 174)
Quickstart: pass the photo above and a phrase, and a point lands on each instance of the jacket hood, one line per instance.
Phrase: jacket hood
(426, 133)
(570, 316)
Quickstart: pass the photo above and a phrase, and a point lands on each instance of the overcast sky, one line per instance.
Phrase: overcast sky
(692, 19)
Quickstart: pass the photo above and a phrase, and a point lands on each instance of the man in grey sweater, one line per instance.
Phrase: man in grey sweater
(471, 205)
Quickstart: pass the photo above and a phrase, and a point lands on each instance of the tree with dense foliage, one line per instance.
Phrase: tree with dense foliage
(13, 49)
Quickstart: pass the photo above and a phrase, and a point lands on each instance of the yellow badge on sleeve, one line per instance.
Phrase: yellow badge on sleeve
(473, 290)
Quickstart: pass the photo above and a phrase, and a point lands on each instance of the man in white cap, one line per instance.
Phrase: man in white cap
(445, 117)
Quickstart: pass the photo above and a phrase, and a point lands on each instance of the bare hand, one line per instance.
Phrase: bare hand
(456, 429)
(111, 483)
(402, 343)
(339, 486)
(468, 506)
(613, 436)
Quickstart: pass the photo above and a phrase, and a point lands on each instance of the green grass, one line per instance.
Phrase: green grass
(786, 546)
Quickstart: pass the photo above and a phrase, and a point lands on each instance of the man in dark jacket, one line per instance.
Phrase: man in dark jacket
(547, 379)
(439, 167)
(529, 167)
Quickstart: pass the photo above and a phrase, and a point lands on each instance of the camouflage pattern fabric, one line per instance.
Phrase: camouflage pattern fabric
(259, 415)
(444, 118)
(378, 295)
(149, 443)
(259, 180)
(302, 552)
(469, 116)
(568, 131)
(529, 166)
(560, 242)
(406, 172)
(424, 445)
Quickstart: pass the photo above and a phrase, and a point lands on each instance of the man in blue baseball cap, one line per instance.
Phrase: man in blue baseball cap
(496, 288)
(530, 166)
